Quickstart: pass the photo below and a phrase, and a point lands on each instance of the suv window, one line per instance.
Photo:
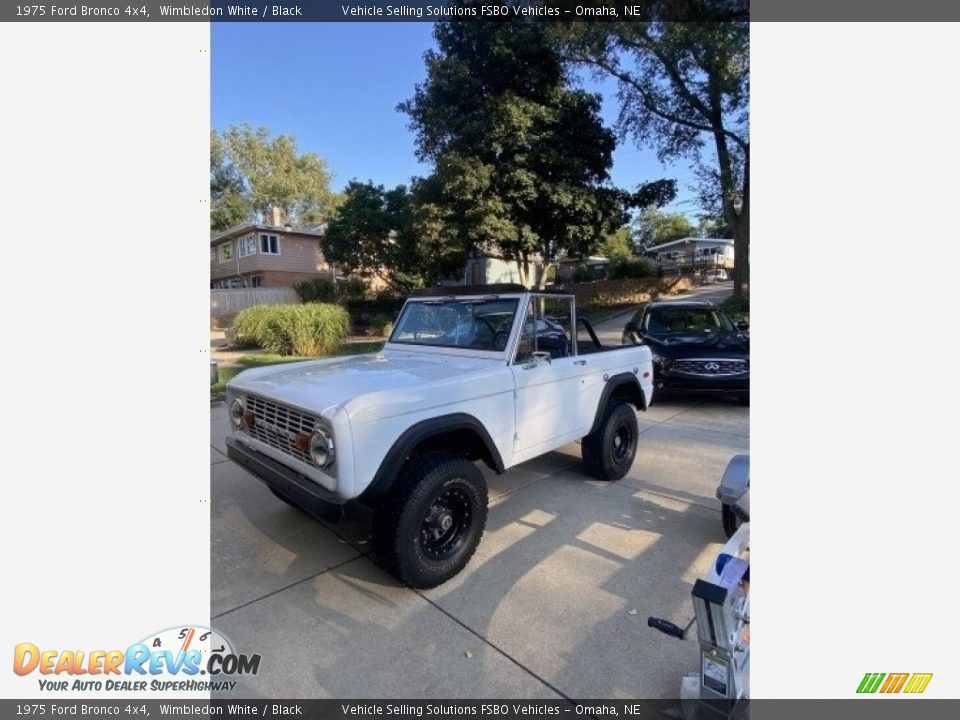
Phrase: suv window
(685, 320)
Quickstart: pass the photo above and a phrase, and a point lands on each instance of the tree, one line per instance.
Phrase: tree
(617, 245)
(229, 205)
(520, 160)
(653, 226)
(684, 88)
(371, 235)
(254, 170)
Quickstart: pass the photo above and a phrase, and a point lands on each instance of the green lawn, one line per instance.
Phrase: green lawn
(225, 374)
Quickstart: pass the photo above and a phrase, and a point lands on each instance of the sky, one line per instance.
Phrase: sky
(335, 88)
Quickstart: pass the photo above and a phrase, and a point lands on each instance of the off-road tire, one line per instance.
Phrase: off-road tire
(608, 452)
(407, 519)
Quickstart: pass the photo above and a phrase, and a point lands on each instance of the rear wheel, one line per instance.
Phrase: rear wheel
(429, 526)
(608, 452)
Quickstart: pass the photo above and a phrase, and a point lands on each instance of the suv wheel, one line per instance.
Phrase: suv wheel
(731, 522)
(608, 452)
(429, 526)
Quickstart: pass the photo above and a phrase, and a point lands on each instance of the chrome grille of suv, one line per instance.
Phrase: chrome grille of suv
(278, 426)
(710, 368)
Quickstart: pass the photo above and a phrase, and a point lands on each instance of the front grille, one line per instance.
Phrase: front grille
(278, 426)
(710, 368)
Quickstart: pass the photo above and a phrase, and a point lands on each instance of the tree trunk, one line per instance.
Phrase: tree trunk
(738, 220)
(540, 272)
(741, 239)
(741, 254)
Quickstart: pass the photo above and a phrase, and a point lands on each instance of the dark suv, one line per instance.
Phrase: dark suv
(696, 347)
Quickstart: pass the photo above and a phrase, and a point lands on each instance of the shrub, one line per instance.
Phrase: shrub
(351, 289)
(315, 290)
(250, 324)
(381, 325)
(633, 268)
(739, 310)
(303, 330)
(582, 273)
(363, 311)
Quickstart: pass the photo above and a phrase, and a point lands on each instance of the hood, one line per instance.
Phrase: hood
(732, 343)
(324, 385)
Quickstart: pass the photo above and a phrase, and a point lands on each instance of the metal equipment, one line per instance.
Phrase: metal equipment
(721, 604)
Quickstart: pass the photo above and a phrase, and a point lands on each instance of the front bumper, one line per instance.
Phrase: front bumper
(667, 380)
(300, 490)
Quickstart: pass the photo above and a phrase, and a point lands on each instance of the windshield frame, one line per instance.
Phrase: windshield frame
(394, 342)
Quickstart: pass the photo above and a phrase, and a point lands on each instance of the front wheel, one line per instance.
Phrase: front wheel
(608, 451)
(429, 526)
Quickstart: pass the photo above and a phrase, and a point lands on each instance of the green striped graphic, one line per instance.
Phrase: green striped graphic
(871, 682)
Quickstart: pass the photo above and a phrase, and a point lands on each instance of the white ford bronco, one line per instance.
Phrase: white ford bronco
(492, 373)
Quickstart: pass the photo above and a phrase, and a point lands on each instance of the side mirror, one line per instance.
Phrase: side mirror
(743, 325)
(632, 327)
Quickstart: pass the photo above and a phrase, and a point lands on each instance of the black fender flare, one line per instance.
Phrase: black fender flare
(628, 386)
(416, 435)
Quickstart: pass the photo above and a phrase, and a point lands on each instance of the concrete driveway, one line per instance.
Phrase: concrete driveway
(553, 604)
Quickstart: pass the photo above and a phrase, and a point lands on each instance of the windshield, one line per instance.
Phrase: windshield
(685, 320)
(475, 323)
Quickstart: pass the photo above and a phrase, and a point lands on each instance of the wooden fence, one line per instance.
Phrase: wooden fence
(227, 303)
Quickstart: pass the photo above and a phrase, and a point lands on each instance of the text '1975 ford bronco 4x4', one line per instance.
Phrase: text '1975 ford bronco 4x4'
(492, 373)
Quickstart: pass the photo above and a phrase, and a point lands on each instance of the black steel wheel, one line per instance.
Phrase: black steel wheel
(429, 525)
(446, 525)
(608, 451)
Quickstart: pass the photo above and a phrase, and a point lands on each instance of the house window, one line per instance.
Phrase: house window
(226, 252)
(247, 246)
(256, 281)
(213, 254)
(269, 245)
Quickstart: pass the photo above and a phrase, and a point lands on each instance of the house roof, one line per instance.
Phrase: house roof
(684, 241)
(237, 230)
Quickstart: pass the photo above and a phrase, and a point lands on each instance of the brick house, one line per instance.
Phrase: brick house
(257, 255)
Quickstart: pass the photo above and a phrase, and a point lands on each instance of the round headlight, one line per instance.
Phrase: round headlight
(236, 412)
(321, 448)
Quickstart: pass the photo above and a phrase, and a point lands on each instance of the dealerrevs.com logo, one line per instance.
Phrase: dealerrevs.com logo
(894, 683)
(182, 659)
